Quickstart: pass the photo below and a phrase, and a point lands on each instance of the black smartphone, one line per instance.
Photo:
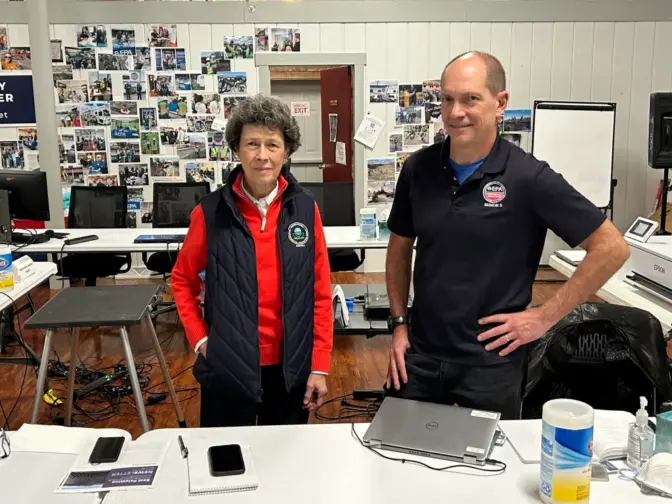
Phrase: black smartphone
(226, 460)
(106, 449)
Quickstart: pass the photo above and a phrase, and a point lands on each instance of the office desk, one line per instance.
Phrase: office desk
(305, 464)
(43, 270)
(616, 291)
(121, 240)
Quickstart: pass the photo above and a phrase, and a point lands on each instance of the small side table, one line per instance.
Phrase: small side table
(110, 305)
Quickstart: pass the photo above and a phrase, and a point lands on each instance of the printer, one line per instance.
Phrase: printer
(651, 265)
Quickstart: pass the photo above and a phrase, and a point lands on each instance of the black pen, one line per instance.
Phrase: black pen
(183, 448)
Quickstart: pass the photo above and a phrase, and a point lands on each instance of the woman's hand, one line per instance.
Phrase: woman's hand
(316, 389)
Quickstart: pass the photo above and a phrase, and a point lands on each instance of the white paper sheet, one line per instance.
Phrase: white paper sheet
(58, 439)
(340, 153)
(369, 131)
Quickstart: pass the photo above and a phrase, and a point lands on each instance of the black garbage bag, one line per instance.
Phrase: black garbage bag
(603, 354)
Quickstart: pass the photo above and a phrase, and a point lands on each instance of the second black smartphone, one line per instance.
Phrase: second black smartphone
(226, 460)
(106, 449)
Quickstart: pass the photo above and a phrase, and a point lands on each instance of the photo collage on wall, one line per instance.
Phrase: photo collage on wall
(135, 104)
(418, 124)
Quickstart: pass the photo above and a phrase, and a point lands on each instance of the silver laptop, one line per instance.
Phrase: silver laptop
(433, 430)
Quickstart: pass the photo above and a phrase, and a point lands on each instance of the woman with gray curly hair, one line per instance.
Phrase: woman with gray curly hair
(264, 340)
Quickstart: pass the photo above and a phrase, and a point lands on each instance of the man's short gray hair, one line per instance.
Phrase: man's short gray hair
(262, 110)
(495, 74)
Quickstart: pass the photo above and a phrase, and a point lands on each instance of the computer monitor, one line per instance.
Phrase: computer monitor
(335, 200)
(27, 190)
(173, 202)
(98, 207)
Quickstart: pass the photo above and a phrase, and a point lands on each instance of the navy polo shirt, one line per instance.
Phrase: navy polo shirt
(479, 243)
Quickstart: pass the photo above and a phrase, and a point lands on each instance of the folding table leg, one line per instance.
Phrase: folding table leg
(130, 363)
(71, 376)
(166, 374)
(41, 376)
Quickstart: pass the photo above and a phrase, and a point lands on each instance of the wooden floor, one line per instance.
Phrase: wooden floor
(357, 362)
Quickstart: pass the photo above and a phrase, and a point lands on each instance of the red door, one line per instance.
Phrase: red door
(336, 93)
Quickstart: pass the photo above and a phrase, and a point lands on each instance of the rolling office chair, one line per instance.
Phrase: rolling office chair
(96, 207)
(172, 206)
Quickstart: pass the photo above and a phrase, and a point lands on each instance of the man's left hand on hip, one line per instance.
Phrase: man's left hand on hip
(514, 330)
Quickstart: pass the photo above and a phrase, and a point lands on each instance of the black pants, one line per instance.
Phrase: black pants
(278, 407)
(492, 388)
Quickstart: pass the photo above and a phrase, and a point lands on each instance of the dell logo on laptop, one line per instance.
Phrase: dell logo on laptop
(432, 425)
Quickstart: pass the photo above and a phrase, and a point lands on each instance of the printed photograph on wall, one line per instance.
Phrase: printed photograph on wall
(380, 192)
(164, 168)
(439, 133)
(232, 82)
(261, 39)
(400, 159)
(11, 155)
(123, 37)
(95, 162)
(124, 108)
(16, 58)
(68, 115)
(115, 62)
(170, 59)
(206, 104)
(200, 171)
(90, 139)
(125, 127)
(95, 114)
(410, 95)
(514, 138)
(218, 150)
(4, 39)
(135, 87)
(239, 46)
(100, 86)
(61, 72)
(432, 112)
(229, 102)
(80, 59)
(92, 36)
(66, 149)
(148, 118)
(28, 138)
(213, 62)
(194, 149)
(161, 85)
(72, 174)
(106, 180)
(408, 115)
(72, 91)
(226, 168)
(136, 194)
(416, 135)
(199, 124)
(56, 51)
(383, 91)
(124, 152)
(174, 135)
(285, 40)
(394, 142)
(133, 174)
(517, 120)
(149, 143)
(161, 35)
(143, 58)
(189, 82)
(431, 91)
(381, 168)
(175, 107)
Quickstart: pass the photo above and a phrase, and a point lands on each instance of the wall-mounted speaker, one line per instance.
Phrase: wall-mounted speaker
(660, 130)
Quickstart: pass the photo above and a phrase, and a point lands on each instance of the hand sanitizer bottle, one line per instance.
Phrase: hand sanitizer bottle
(641, 438)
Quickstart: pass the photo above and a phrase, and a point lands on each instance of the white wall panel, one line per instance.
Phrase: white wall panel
(521, 57)
(417, 55)
(18, 35)
(460, 38)
(621, 83)
(332, 37)
(540, 70)
(642, 70)
(246, 65)
(310, 37)
(582, 61)
(500, 44)
(480, 37)
(355, 37)
(439, 48)
(563, 39)
(603, 58)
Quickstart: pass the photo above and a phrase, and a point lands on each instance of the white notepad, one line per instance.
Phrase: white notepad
(573, 257)
(202, 483)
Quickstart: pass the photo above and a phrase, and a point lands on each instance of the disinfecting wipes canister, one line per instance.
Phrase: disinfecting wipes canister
(566, 451)
(6, 273)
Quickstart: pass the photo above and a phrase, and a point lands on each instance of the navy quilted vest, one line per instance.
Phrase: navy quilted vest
(231, 304)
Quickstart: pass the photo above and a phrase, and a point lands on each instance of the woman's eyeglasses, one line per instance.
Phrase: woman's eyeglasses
(4, 445)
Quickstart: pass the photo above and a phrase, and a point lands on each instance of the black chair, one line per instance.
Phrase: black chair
(603, 354)
(337, 208)
(172, 206)
(96, 207)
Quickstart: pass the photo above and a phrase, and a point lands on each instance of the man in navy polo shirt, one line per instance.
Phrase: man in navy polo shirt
(480, 208)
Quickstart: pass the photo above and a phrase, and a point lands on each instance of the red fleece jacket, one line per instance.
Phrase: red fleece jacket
(192, 259)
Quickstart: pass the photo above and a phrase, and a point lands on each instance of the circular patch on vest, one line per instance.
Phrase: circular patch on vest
(494, 192)
(298, 234)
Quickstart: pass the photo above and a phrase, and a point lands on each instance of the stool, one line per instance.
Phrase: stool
(110, 305)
